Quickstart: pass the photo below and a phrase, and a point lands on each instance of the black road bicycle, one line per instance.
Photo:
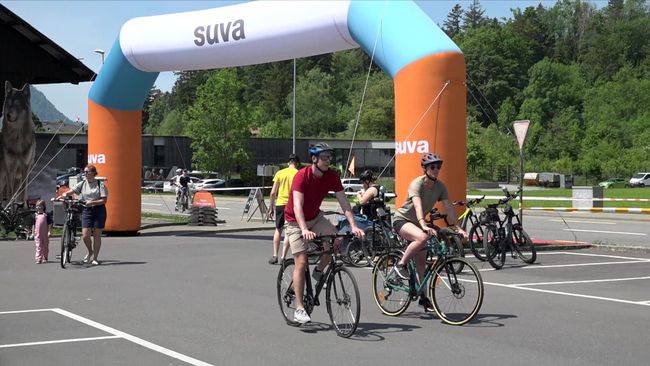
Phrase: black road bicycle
(473, 225)
(510, 235)
(341, 295)
(72, 208)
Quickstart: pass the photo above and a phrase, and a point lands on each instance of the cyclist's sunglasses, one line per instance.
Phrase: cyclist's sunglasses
(435, 166)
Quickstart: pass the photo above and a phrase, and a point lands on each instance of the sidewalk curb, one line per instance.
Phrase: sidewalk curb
(620, 248)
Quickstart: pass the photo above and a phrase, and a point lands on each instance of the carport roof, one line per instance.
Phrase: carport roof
(28, 56)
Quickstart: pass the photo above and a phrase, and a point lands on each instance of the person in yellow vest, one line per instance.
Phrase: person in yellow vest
(281, 189)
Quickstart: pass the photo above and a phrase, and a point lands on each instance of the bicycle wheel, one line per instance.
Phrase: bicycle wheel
(524, 246)
(493, 247)
(476, 242)
(23, 224)
(286, 296)
(355, 254)
(371, 246)
(456, 297)
(391, 293)
(65, 246)
(343, 301)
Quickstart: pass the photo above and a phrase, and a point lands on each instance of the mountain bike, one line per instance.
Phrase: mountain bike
(449, 237)
(183, 202)
(456, 296)
(72, 208)
(509, 236)
(475, 232)
(341, 295)
(18, 220)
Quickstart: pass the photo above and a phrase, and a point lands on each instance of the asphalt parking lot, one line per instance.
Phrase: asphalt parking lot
(210, 299)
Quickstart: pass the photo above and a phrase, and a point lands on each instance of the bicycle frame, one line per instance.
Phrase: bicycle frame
(415, 286)
(314, 293)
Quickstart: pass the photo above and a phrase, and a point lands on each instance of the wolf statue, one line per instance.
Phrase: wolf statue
(18, 143)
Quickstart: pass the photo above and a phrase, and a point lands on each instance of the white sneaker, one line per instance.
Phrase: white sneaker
(301, 316)
(87, 257)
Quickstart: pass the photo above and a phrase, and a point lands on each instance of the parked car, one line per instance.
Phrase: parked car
(352, 185)
(234, 183)
(153, 187)
(640, 180)
(206, 182)
(614, 183)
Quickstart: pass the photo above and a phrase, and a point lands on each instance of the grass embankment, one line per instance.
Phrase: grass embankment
(629, 193)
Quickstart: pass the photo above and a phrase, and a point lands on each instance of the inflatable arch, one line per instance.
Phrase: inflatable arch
(427, 68)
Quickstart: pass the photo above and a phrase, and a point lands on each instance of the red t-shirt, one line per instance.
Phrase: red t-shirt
(314, 189)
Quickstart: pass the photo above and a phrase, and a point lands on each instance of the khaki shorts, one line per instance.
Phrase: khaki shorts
(320, 225)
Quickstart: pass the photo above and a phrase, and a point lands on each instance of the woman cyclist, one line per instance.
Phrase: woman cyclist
(423, 193)
(365, 197)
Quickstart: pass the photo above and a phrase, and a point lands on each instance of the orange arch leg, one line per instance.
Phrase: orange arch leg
(115, 136)
(443, 127)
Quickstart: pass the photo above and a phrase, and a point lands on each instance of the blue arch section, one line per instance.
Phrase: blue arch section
(407, 33)
(120, 85)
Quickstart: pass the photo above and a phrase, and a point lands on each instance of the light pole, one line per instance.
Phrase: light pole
(294, 105)
(101, 52)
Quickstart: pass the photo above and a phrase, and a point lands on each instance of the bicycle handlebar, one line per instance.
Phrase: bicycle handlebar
(469, 203)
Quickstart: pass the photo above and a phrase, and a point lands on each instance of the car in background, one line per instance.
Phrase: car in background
(217, 187)
(352, 185)
(614, 183)
(640, 180)
(208, 183)
(167, 185)
(154, 187)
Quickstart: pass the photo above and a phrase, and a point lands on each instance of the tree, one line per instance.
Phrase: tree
(154, 94)
(316, 109)
(452, 25)
(219, 124)
(38, 125)
(158, 111)
(172, 125)
(473, 17)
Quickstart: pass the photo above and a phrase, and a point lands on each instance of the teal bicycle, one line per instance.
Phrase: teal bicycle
(455, 285)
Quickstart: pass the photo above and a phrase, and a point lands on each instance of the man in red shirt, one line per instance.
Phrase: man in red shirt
(305, 220)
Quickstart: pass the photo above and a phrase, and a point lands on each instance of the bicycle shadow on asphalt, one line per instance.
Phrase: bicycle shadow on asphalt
(366, 332)
(480, 320)
(78, 265)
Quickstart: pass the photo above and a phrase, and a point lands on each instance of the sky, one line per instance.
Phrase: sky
(81, 27)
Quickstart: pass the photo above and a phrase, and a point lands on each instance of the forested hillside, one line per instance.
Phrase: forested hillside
(581, 75)
(44, 109)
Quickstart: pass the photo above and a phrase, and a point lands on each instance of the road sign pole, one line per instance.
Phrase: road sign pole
(521, 185)
(521, 128)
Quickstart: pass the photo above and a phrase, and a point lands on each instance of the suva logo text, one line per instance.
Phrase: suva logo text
(225, 30)
(96, 159)
(410, 147)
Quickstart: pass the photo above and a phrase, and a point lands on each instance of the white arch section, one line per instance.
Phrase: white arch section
(237, 35)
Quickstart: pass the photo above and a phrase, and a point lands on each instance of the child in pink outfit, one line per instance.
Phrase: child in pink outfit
(41, 231)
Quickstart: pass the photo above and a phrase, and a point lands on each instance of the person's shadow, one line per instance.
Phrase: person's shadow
(366, 332)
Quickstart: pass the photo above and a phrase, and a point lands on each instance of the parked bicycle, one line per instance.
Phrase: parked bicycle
(510, 235)
(475, 232)
(456, 295)
(341, 296)
(17, 220)
(72, 208)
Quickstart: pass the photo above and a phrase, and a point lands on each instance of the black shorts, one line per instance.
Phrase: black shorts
(93, 217)
(279, 217)
(398, 224)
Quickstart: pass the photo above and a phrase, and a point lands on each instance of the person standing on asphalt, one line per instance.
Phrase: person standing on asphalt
(281, 188)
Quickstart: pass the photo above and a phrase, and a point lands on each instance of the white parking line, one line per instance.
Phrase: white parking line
(152, 204)
(647, 303)
(24, 311)
(134, 339)
(585, 281)
(586, 222)
(607, 232)
(584, 264)
(597, 255)
(57, 341)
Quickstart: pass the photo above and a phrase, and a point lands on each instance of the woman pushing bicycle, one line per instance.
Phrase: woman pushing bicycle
(409, 221)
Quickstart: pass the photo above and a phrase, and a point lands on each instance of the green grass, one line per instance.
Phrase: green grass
(174, 218)
(558, 192)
